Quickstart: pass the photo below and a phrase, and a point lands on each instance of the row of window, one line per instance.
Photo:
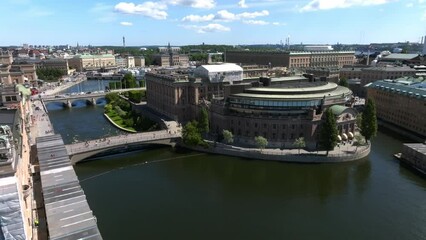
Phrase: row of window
(274, 103)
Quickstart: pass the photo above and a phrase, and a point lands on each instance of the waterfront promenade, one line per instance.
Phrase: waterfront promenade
(342, 153)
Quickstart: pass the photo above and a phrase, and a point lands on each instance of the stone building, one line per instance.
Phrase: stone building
(140, 61)
(170, 57)
(279, 109)
(368, 74)
(88, 62)
(17, 73)
(292, 59)
(401, 102)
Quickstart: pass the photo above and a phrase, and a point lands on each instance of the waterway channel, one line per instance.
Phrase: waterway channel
(161, 193)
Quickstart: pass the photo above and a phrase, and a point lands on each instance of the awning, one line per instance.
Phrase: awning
(350, 135)
(339, 138)
(344, 136)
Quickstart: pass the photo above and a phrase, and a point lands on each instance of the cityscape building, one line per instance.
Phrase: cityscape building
(292, 59)
(401, 102)
(87, 62)
(279, 109)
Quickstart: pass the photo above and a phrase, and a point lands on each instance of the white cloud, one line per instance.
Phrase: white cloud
(224, 15)
(253, 14)
(212, 27)
(261, 22)
(198, 18)
(126, 23)
(316, 5)
(227, 16)
(242, 4)
(409, 5)
(193, 3)
(148, 9)
(256, 22)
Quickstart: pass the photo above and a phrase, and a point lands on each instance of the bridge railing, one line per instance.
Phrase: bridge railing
(121, 140)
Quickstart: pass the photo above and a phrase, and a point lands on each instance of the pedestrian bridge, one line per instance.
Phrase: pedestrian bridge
(83, 150)
(92, 98)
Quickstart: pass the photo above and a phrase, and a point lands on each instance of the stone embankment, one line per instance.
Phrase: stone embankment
(339, 154)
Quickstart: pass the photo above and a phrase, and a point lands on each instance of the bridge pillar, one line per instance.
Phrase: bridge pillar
(93, 101)
(69, 104)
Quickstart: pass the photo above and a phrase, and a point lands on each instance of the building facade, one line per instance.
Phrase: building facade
(88, 62)
(279, 109)
(140, 61)
(302, 59)
(17, 73)
(401, 102)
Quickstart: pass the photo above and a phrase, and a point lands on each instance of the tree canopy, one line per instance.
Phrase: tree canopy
(369, 120)
(228, 137)
(299, 143)
(191, 134)
(203, 123)
(343, 82)
(261, 142)
(128, 81)
(50, 74)
(328, 132)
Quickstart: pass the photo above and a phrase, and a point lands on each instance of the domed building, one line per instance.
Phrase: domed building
(279, 109)
(282, 110)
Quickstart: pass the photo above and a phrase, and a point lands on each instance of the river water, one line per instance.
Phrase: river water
(162, 193)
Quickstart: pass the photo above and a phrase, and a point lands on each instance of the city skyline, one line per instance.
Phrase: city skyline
(185, 22)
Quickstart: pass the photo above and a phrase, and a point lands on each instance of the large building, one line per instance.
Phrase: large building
(140, 61)
(87, 62)
(363, 75)
(292, 59)
(17, 73)
(279, 109)
(6, 58)
(401, 102)
(170, 57)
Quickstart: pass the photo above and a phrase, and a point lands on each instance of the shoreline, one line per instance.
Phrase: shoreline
(288, 155)
(117, 126)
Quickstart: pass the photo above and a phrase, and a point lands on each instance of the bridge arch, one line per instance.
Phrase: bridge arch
(76, 157)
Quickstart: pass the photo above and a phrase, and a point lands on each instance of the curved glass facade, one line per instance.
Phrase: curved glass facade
(273, 103)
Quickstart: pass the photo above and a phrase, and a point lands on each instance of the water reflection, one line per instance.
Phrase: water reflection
(275, 178)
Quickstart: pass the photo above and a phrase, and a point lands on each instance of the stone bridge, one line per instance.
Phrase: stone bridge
(121, 143)
(91, 98)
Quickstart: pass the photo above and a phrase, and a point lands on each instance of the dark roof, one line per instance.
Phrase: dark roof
(7, 117)
(67, 211)
(400, 56)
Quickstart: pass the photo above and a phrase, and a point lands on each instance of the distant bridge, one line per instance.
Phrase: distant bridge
(82, 150)
(91, 98)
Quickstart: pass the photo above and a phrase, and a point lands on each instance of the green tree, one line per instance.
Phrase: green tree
(203, 123)
(328, 132)
(299, 143)
(369, 120)
(261, 142)
(191, 134)
(343, 82)
(228, 137)
(111, 97)
(128, 81)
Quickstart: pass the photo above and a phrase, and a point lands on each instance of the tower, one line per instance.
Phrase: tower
(124, 42)
(424, 46)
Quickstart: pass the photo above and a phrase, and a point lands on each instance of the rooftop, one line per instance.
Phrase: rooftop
(226, 67)
(410, 86)
(400, 56)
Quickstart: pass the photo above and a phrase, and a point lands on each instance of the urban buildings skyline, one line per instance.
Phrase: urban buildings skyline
(212, 22)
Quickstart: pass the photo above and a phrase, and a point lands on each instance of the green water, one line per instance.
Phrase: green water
(161, 193)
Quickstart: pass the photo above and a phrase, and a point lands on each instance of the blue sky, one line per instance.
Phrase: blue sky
(181, 22)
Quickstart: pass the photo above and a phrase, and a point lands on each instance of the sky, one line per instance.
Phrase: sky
(231, 22)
